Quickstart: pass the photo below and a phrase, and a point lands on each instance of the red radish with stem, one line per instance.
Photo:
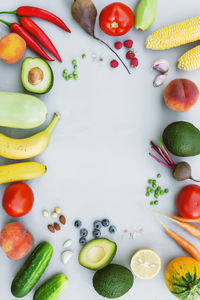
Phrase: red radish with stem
(190, 248)
(180, 171)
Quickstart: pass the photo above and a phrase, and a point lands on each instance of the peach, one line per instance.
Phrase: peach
(12, 48)
(15, 240)
(181, 94)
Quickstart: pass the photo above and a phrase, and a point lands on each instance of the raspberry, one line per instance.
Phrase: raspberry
(130, 54)
(114, 63)
(128, 43)
(134, 62)
(118, 45)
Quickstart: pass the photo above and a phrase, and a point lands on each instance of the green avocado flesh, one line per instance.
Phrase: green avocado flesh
(113, 281)
(36, 75)
(182, 139)
(97, 254)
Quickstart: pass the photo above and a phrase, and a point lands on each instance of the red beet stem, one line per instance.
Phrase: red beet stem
(159, 152)
(167, 155)
(160, 161)
(164, 157)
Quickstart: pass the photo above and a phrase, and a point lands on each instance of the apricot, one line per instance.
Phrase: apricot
(12, 48)
(181, 94)
(15, 240)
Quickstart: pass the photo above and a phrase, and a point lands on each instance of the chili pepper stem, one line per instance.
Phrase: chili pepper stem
(6, 23)
(14, 12)
(98, 39)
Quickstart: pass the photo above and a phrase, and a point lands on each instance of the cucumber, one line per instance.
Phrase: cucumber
(21, 110)
(52, 288)
(32, 270)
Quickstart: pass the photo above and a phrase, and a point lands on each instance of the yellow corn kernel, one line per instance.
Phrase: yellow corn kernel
(190, 60)
(175, 35)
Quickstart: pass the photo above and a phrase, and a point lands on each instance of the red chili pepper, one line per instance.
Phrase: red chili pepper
(30, 11)
(36, 31)
(31, 43)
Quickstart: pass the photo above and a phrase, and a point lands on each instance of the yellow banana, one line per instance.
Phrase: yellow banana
(21, 171)
(26, 148)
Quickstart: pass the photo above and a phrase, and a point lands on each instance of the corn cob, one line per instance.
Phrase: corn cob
(190, 60)
(175, 35)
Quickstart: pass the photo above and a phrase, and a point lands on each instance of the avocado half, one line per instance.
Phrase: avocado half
(36, 75)
(97, 254)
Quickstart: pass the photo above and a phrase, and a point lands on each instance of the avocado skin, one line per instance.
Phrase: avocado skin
(113, 281)
(182, 139)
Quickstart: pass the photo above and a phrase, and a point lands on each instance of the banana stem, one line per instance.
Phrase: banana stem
(53, 123)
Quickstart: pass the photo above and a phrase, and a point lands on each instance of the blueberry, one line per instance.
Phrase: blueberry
(97, 224)
(112, 229)
(77, 224)
(97, 233)
(83, 232)
(82, 241)
(105, 222)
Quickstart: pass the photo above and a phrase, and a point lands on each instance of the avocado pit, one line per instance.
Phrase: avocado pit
(96, 254)
(35, 76)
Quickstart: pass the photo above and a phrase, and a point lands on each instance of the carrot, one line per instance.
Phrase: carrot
(193, 230)
(194, 252)
(180, 218)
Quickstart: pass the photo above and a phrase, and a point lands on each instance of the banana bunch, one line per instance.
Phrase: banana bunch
(23, 149)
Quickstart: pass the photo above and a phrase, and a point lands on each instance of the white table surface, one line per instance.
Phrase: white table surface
(97, 160)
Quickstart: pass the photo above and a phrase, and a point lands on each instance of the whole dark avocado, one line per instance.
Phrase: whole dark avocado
(113, 281)
(182, 139)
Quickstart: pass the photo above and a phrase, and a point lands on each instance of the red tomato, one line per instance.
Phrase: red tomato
(188, 201)
(18, 199)
(116, 19)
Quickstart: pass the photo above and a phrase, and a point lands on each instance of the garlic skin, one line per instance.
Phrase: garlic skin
(161, 65)
(159, 80)
(67, 243)
(66, 256)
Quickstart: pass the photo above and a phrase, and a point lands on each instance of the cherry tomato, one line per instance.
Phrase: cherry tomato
(188, 201)
(116, 19)
(18, 199)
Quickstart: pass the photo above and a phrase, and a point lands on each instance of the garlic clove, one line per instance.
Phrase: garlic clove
(67, 243)
(159, 80)
(161, 65)
(66, 256)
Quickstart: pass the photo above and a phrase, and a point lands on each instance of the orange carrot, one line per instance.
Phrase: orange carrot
(180, 218)
(193, 230)
(182, 242)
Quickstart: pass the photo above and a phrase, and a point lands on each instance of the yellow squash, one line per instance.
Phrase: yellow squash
(182, 277)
